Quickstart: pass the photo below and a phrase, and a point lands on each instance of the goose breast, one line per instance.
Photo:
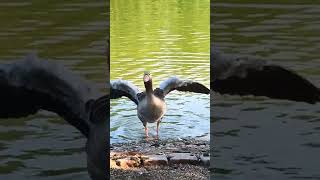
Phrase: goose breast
(151, 109)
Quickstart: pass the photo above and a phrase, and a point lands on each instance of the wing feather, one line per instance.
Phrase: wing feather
(174, 83)
(30, 85)
(121, 88)
(248, 76)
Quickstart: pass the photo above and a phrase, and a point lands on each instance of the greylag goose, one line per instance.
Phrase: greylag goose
(30, 85)
(150, 104)
(246, 76)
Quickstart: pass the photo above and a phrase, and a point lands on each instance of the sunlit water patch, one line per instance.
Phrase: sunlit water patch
(167, 38)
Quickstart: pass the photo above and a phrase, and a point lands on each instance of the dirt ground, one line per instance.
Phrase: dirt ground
(180, 172)
(175, 171)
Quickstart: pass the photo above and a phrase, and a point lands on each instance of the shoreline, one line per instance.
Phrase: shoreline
(167, 159)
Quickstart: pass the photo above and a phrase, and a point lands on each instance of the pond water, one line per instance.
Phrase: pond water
(166, 38)
(261, 138)
(44, 146)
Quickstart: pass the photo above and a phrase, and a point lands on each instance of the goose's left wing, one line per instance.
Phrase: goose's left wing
(174, 83)
(248, 76)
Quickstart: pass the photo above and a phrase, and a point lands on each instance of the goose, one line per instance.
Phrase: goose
(151, 105)
(30, 85)
(236, 75)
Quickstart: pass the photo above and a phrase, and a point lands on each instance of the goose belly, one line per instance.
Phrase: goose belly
(151, 111)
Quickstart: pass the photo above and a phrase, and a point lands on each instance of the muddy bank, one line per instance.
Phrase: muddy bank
(196, 146)
(179, 172)
(166, 159)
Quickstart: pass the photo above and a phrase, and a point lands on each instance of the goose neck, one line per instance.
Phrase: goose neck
(148, 86)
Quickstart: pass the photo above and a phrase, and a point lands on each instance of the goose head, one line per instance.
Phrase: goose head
(147, 80)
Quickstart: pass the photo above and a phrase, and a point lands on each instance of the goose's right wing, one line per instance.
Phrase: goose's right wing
(119, 88)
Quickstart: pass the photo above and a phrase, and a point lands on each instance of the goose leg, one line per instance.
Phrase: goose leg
(146, 131)
(158, 123)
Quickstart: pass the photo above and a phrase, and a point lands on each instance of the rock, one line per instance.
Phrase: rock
(133, 162)
(183, 152)
(155, 144)
(144, 157)
(133, 153)
(172, 148)
(122, 163)
(128, 162)
(113, 164)
(205, 160)
(183, 158)
(135, 158)
(112, 153)
(156, 160)
(206, 154)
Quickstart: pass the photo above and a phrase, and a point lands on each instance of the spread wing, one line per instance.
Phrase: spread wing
(30, 85)
(121, 88)
(247, 76)
(174, 83)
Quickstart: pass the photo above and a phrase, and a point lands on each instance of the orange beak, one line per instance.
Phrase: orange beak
(146, 78)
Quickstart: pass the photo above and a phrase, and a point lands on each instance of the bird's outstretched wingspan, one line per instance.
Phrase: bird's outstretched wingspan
(119, 88)
(245, 76)
(28, 85)
(174, 83)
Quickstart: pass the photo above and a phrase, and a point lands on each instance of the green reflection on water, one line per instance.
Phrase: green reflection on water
(167, 37)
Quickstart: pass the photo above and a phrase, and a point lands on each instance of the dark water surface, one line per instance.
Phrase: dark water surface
(256, 137)
(44, 146)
